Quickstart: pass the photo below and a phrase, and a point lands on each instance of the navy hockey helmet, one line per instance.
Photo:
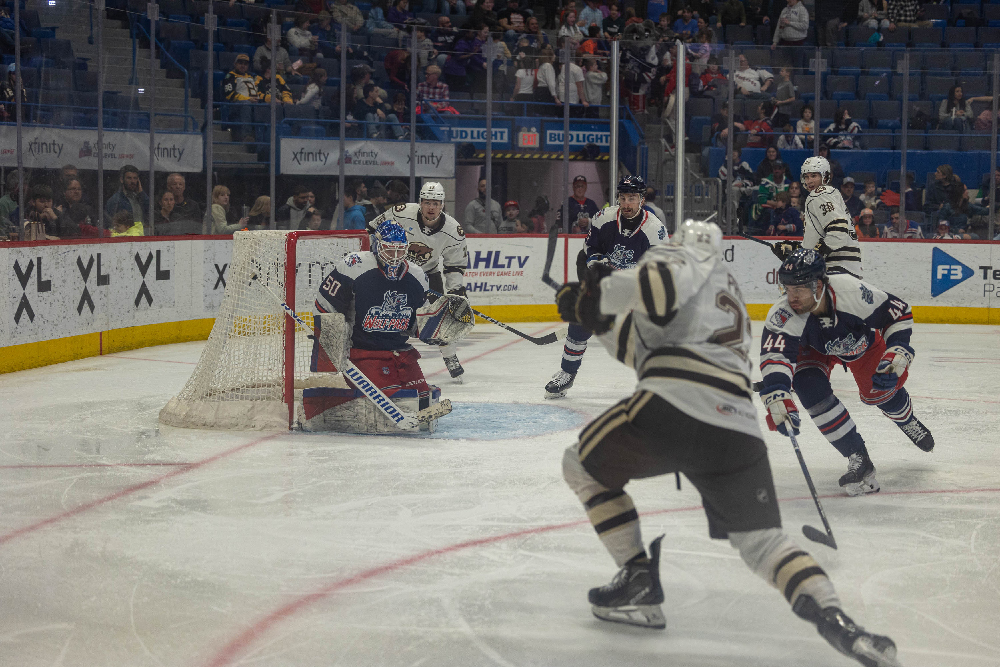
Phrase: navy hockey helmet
(389, 244)
(802, 267)
(632, 184)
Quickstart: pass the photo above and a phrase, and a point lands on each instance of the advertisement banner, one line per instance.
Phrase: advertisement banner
(52, 147)
(300, 155)
(580, 134)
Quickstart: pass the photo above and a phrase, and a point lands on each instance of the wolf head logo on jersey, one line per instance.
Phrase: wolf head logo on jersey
(849, 346)
(419, 253)
(620, 258)
(393, 316)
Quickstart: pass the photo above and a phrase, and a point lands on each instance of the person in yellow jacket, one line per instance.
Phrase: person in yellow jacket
(263, 85)
(241, 87)
(123, 225)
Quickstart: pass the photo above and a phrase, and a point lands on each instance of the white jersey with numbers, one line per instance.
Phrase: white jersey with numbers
(827, 223)
(443, 249)
(682, 325)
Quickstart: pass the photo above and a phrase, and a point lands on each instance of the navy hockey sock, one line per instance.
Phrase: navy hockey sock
(573, 349)
(898, 408)
(835, 423)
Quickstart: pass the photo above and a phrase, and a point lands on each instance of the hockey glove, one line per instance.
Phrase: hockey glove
(588, 303)
(781, 412)
(566, 301)
(891, 367)
(782, 249)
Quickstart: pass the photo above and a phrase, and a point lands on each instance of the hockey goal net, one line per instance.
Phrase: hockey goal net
(256, 360)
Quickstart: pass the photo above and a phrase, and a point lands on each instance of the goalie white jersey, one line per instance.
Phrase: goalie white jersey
(827, 223)
(683, 327)
(430, 249)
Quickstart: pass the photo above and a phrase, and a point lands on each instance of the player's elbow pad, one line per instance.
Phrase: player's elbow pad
(659, 298)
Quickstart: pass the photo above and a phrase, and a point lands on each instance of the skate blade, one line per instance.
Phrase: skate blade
(642, 615)
(875, 652)
(557, 394)
(868, 485)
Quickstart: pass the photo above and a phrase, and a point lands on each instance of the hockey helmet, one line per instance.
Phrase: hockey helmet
(803, 267)
(389, 245)
(632, 184)
(433, 191)
(817, 165)
(702, 238)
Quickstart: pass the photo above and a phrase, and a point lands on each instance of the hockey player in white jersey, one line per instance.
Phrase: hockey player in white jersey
(618, 237)
(679, 320)
(438, 246)
(829, 228)
(824, 321)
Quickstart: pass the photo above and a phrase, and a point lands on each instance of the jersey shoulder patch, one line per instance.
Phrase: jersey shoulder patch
(452, 228)
(854, 296)
(654, 230)
(604, 216)
(357, 263)
(782, 319)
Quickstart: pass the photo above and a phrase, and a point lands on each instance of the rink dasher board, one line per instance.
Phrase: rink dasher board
(70, 299)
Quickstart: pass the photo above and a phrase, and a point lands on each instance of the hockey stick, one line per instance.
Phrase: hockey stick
(810, 532)
(543, 340)
(761, 241)
(550, 253)
(402, 420)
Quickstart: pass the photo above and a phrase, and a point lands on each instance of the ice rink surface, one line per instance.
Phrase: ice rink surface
(128, 544)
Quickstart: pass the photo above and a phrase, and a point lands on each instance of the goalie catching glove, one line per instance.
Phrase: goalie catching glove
(580, 303)
(891, 367)
(781, 411)
(447, 320)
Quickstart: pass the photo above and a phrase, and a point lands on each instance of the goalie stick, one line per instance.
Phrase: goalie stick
(541, 340)
(403, 421)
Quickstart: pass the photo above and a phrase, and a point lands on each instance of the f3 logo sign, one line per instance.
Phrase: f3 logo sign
(946, 272)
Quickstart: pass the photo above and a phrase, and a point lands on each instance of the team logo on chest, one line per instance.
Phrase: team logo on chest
(393, 316)
(847, 346)
(419, 253)
(621, 258)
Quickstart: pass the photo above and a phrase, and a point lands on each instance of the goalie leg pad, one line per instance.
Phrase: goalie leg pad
(334, 334)
(448, 319)
(359, 415)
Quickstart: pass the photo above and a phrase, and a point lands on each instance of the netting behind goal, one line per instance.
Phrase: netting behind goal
(256, 355)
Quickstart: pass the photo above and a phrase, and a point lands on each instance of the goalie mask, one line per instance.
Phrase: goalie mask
(389, 245)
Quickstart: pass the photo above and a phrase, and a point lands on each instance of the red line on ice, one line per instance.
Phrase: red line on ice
(128, 491)
(92, 465)
(232, 650)
(164, 361)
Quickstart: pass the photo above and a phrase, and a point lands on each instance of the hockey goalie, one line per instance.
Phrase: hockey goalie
(366, 310)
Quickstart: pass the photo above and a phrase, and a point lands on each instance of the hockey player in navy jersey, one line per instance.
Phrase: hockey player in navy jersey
(366, 310)
(618, 237)
(821, 322)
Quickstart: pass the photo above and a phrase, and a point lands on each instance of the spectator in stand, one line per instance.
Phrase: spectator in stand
(483, 13)
(580, 206)
(346, 12)
(650, 204)
(398, 192)
(525, 227)
(670, 93)
(290, 215)
(770, 186)
(732, 13)
(795, 190)
(456, 68)
(614, 24)
(8, 101)
(260, 213)
(536, 37)
(354, 211)
(836, 171)
(943, 231)
(397, 66)
(432, 89)
(577, 93)
(361, 76)
(594, 45)
(313, 94)
(511, 213)
(784, 95)
(870, 197)
(401, 110)
(525, 78)
(426, 53)
(766, 166)
(377, 24)
(571, 31)
(960, 211)
(263, 84)
(843, 132)
(219, 215)
(945, 182)
(874, 14)
(910, 195)
(831, 17)
(129, 196)
(399, 13)
(454, 7)
(866, 227)
(805, 127)
(186, 210)
(444, 38)
(546, 88)
(793, 25)
(789, 140)
(701, 50)
(326, 34)
(476, 220)
(370, 110)
(537, 215)
(122, 225)
(901, 228)
(851, 201)
(750, 82)
(69, 225)
(955, 111)
(983, 196)
(595, 80)
(760, 130)
(686, 27)
(241, 86)
(9, 202)
(301, 42)
(631, 18)
(745, 178)
(263, 53)
(905, 14)
(41, 221)
(713, 81)
(785, 219)
(377, 202)
(313, 219)
(757, 13)
(161, 216)
(591, 15)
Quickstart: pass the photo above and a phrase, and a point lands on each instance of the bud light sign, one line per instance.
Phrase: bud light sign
(579, 136)
(476, 135)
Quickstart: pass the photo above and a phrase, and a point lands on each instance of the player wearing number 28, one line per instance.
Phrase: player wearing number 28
(820, 322)
(678, 319)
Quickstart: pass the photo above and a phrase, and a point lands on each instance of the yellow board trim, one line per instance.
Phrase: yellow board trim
(522, 313)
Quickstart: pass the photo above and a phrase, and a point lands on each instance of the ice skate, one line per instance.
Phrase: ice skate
(559, 385)
(918, 434)
(846, 636)
(454, 367)
(634, 596)
(860, 476)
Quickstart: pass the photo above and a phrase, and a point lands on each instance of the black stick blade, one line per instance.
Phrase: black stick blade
(816, 536)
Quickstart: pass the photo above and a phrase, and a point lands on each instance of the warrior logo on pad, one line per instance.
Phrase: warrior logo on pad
(392, 316)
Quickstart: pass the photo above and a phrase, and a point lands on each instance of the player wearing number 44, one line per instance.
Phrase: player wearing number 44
(819, 323)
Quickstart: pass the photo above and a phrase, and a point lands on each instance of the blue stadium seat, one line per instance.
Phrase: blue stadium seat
(961, 9)
(170, 32)
(180, 49)
(989, 38)
(739, 34)
(926, 38)
(879, 140)
(897, 87)
(201, 60)
(849, 59)
(43, 33)
(859, 109)
(877, 61)
(230, 37)
(915, 141)
(857, 35)
(936, 63)
(943, 140)
(874, 87)
(57, 49)
(897, 39)
(238, 23)
(976, 142)
(960, 38)
(936, 87)
(171, 7)
(178, 18)
(974, 86)
(312, 131)
(226, 60)
(936, 12)
(57, 80)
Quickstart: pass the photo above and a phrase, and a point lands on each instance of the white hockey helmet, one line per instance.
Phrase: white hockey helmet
(703, 238)
(817, 165)
(433, 191)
